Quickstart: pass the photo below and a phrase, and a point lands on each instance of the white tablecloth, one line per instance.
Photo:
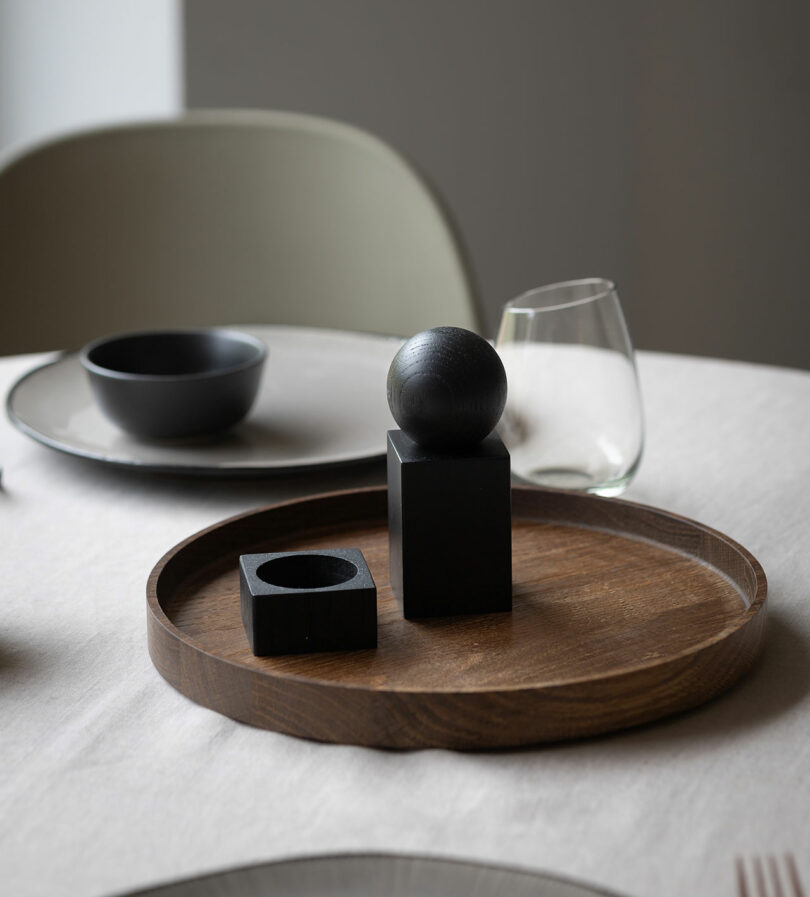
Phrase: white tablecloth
(111, 780)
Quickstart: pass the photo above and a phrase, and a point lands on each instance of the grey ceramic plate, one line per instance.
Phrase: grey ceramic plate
(374, 875)
(322, 402)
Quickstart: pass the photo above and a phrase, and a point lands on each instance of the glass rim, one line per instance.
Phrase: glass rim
(518, 304)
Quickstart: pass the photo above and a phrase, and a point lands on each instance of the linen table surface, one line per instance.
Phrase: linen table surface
(111, 780)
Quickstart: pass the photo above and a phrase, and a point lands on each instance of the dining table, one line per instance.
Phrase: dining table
(112, 781)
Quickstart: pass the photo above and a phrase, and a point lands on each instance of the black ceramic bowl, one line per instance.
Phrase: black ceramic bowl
(171, 384)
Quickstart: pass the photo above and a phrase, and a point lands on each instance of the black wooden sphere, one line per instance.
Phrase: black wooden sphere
(447, 388)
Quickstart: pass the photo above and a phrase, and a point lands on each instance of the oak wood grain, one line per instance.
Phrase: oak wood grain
(621, 614)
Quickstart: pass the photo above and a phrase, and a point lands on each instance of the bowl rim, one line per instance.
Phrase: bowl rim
(229, 333)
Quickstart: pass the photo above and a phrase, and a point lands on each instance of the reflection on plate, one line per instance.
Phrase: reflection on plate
(322, 402)
(373, 875)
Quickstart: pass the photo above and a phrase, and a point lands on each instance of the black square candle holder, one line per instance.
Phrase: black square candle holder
(300, 601)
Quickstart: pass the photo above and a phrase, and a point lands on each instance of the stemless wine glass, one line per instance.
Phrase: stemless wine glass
(573, 416)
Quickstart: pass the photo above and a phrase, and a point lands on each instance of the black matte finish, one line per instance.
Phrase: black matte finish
(294, 602)
(447, 388)
(175, 383)
(449, 527)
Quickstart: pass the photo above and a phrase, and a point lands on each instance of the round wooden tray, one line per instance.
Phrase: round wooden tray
(622, 614)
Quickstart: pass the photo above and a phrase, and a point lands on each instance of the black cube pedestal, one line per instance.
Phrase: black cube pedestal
(449, 524)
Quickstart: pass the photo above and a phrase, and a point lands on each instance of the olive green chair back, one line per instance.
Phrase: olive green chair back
(222, 218)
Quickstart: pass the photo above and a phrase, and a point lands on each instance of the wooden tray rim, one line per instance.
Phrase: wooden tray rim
(740, 622)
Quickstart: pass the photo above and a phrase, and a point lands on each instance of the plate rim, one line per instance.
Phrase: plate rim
(228, 469)
(540, 875)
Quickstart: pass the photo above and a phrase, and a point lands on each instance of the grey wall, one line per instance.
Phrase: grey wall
(664, 144)
(78, 64)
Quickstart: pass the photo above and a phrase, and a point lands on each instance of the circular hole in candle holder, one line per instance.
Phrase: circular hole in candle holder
(307, 571)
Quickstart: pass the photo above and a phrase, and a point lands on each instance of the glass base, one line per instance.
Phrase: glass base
(577, 480)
